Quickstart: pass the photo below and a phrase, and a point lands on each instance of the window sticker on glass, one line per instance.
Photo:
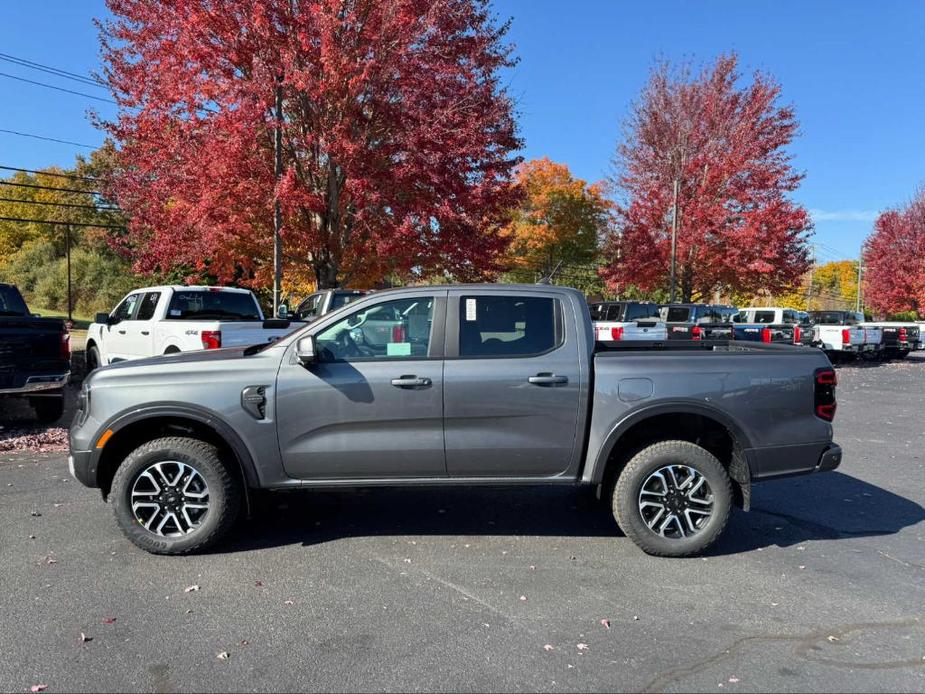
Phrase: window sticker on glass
(470, 309)
(175, 312)
(398, 349)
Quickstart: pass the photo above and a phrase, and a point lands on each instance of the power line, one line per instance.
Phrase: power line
(34, 185)
(52, 70)
(73, 224)
(49, 173)
(102, 208)
(60, 89)
(49, 139)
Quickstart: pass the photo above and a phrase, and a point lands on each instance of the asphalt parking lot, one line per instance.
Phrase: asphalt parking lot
(820, 588)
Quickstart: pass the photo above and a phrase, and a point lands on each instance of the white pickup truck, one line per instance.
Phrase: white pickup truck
(839, 334)
(617, 321)
(163, 320)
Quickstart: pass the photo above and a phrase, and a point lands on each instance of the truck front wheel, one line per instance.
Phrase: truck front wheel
(673, 499)
(174, 495)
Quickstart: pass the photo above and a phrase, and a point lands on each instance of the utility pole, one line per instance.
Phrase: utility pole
(277, 212)
(674, 238)
(70, 302)
(858, 306)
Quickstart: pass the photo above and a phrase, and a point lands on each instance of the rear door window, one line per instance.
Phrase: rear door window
(508, 326)
(641, 311)
(148, 306)
(764, 317)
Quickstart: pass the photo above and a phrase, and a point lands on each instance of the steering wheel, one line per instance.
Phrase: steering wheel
(347, 346)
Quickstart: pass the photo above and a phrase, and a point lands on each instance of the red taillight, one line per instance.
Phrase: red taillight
(211, 339)
(846, 337)
(616, 333)
(398, 333)
(903, 335)
(824, 394)
(65, 346)
(797, 335)
(765, 334)
(696, 333)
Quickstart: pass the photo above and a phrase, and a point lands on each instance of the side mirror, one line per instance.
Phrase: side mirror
(101, 318)
(305, 350)
(283, 311)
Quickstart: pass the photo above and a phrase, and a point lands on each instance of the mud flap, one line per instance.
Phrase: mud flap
(741, 475)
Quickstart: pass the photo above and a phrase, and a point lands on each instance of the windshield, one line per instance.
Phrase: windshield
(205, 304)
(339, 300)
(11, 302)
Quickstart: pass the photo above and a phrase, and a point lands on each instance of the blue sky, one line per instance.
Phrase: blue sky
(853, 70)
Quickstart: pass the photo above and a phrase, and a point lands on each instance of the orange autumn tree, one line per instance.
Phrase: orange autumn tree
(560, 219)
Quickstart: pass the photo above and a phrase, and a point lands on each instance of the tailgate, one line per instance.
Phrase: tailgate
(246, 333)
(30, 347)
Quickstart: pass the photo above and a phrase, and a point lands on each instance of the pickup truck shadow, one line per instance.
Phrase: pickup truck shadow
(828, 506)
(831, 506)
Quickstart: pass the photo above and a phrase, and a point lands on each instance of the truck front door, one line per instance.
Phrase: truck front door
(512, 380)
(368, 409)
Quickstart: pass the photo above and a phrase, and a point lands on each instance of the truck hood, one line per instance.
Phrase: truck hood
(203, 355)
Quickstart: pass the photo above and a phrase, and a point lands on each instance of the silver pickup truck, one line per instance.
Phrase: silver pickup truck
(477, 384)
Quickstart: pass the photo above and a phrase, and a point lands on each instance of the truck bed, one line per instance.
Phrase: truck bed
(609, 349)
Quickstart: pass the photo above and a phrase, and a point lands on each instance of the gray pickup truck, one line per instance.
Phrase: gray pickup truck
(478, 384)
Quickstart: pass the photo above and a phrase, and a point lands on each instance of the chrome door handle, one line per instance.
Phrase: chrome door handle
(122, 332)
(411, 382)
(547, 379)
(145, 332)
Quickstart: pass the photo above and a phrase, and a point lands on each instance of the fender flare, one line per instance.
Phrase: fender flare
(200, 415)
(740, 438)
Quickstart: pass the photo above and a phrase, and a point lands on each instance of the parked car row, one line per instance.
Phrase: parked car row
(838, 333)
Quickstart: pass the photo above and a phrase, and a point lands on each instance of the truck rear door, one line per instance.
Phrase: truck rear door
(512, 380)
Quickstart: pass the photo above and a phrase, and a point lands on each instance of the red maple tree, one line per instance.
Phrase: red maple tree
(894, 260)
(737, 229)
(398, 139)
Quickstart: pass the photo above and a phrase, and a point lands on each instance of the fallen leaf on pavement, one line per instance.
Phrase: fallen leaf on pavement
(259, 584)
(289, 602)
(223, 655)
(245, 642)
(548, 647)
(583, 646)
(733, 680)
(833, 638)
(190, 589)
(39, 687)
(605, 623)
(84, 638)
(109, 620)
(523, 598)
(35, 514)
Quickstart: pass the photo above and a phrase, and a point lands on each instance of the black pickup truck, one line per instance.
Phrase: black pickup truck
(699, 321)
(35, 356)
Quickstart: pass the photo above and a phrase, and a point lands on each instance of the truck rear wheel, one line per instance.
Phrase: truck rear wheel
(673, 499)
(93, 359)
(175, 496)
(48, 409)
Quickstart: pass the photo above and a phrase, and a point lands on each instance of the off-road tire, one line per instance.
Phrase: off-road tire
(224, 486)
(625, 497)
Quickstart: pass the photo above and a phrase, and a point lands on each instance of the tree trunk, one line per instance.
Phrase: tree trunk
(326, 274)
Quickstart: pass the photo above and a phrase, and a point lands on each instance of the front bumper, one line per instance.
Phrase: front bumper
(82, 467)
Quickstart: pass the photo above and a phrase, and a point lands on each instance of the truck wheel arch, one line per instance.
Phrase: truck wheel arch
(727, 440)
(135, 428)
(172, 349)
